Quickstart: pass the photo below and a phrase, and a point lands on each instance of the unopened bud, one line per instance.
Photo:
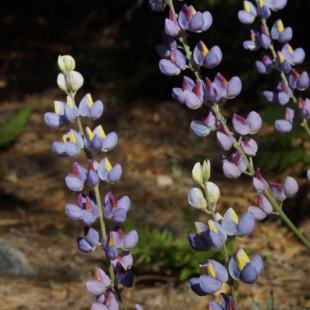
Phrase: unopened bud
(201, 173)
(66, 63)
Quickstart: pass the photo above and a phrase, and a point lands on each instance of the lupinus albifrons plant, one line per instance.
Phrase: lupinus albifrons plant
(178, 56)
(88, 207)
(283, 59)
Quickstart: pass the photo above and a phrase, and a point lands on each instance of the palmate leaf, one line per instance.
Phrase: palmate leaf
(14, 125)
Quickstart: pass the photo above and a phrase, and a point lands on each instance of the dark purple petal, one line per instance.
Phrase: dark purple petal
(127, 279)
(248, 274)
(195, 286)
(197, 243)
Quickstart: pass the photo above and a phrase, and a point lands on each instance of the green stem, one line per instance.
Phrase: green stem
(305, 125)
(286, 220)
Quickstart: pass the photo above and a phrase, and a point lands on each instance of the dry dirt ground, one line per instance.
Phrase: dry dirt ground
(154, 141)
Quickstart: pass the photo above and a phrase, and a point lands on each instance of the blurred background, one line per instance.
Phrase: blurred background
(113, 43)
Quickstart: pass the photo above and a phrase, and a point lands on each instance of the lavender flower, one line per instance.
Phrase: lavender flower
(190, 19)
(214, 274)
(241, 267)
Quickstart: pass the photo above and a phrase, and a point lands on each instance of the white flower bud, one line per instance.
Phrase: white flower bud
(71, 81)
(213, 192)
(196, 199)
(201, 173)
(66, 63)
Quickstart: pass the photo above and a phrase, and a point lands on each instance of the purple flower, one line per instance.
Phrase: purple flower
(247, 126)
(259, 183)
(234, 165)
(249, 146)
(85, 209)
(249, 13)
(282, 63)
(287, 190)
(265, 66)
(214, 274)
(75, 180)
(262, 9)
(116, 209)
(220, 90)
(204, 57)
(263, 208)
(164, 50)
(294, 57)
(275, 5)
(190, 94)
(71, 145)
(257, 40)
(98, 140)
(227, 303)
(285, 125)
(203, 128)
(172, 27)
(107, 173)
(241, 267)
(194, 21)
(106, 301)
(100, 284)
(235, 226)
(214, 235)
(278, 32)
(90, 109)
(117, 239)
(224, 139)
(304, 108)
(157, 5)
(281, 94)
(65, 113)
(174, 65)
(299, 81)
(121, 266)
(89, 242)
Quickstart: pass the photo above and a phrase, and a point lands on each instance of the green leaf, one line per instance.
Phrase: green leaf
(14, 126)
(255, 304)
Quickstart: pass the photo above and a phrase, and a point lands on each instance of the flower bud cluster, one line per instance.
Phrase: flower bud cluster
(116, 244)
(284, 59)
(215, 233)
